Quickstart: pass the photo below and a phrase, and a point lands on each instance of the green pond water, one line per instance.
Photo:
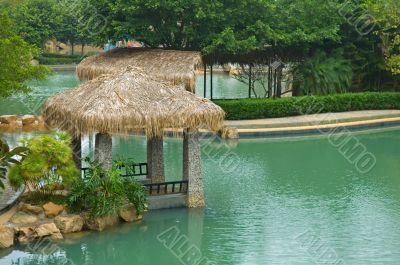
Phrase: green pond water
(265, 208)
(41, 90)
(224, 86)
(280, 201)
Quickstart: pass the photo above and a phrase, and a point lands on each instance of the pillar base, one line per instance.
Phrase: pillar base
(195, 200)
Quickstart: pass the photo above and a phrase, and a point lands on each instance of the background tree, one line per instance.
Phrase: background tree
(37, 21)
(67, 30)
(387, 17)
(15, 60)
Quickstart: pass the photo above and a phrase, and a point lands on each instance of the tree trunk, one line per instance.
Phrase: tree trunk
(269, 82)
(296, 90)
(72, 48)
(279, 82)
(82, 48)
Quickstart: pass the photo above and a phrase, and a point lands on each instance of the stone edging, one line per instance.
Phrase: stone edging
(25, 122)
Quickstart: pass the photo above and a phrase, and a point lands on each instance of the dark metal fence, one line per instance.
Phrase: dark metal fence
(171, 187)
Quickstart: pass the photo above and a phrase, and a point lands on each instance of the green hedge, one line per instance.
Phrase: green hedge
(240, 109)
(54, 58)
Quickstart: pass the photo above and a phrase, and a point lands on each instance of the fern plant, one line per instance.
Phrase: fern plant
(104, 192)
(10, 157)
(323, 74)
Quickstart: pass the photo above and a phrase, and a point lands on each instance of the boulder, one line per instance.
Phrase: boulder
(21, 218)
(128, 213)
(29, 233)
(24, 234)
(28, 208)
(230, 133)
(28, 120)
(102, 222)
(52, 210)
(6, 236)
(69, 223)
(48, 229)
(8, 119)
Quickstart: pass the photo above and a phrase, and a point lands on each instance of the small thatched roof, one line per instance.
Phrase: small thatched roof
(129, 101)
(178, 67)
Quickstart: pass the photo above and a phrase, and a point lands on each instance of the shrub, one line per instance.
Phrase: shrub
(48, 165)
(104, 192)
(240, 109)
(54, 58)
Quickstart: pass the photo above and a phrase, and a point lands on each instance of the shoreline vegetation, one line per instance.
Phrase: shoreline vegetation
(247, 109)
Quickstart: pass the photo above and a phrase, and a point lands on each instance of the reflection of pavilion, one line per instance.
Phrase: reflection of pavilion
(130, 100)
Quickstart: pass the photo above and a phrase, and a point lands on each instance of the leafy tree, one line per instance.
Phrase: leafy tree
(15, 61)
(48, 165)
(37, 20)
(67, 31)
(8, 158)
(387, 17)
(223, 26)
(76, 20)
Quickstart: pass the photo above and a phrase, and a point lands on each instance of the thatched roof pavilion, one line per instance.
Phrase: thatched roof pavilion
(130, 101)
(127, 101)
(178, 67)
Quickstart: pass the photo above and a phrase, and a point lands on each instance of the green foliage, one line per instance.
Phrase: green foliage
(105, 192)
(48, 165)
(323, 74)
(15, 61)
(8, 158)
(36, 20)
(52, 59)
(292, 106)
(387, 19)
(219, 25)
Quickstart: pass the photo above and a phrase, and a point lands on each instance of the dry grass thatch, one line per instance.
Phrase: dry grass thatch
(129, 101)
(178, 67)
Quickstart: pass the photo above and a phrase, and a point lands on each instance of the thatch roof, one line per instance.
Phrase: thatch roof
(178, 67)
(129, 101)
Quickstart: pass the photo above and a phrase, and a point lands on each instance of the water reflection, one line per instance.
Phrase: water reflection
(281, 189)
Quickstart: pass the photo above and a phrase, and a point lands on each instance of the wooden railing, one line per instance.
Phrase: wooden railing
(163, 188)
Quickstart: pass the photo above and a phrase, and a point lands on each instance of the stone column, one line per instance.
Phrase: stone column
(155, 160)
(77, 151)
(103, 150)
(149, 162)
(192, 169)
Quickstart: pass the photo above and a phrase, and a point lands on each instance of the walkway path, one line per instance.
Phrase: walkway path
(311, 124)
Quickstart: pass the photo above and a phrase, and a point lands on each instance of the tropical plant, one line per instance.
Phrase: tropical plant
(102, 192)
(9, 157)
(48, 166)
(323, 74)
